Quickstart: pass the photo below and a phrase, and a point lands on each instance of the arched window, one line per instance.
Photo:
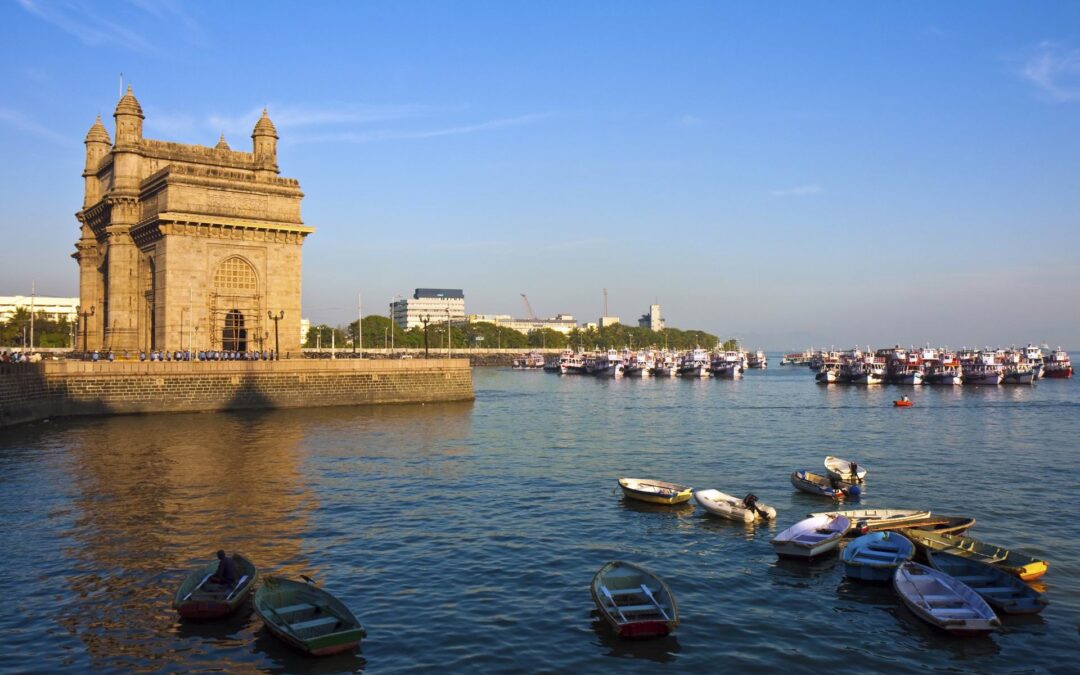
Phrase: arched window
(236, 274)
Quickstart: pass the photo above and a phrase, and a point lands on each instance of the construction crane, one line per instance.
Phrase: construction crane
(528, 308)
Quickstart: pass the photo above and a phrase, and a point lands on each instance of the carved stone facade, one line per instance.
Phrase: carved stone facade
(187, 246)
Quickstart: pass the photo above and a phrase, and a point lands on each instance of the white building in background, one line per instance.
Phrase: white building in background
(435, 304)
(652, 320)
(563, 323)
(606, 321)
(305, 326)
(53, 308)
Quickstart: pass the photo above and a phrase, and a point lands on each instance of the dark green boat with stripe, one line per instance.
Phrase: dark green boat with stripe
(307, 617)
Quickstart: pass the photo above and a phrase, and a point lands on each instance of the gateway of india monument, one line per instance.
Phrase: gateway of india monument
(187, 246)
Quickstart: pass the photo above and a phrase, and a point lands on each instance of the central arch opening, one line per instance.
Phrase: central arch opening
(234, 335)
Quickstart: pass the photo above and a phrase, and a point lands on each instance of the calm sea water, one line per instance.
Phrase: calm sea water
(465, 536)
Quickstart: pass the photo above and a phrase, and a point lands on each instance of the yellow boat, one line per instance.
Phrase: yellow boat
(1014, 562)
(655, 491)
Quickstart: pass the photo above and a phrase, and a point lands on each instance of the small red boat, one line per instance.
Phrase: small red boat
(903, 404)
(634, 601)
(1058, 365)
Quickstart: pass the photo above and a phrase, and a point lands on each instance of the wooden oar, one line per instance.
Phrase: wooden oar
(614, 604)
(236, 587)
(207, 577)
(649, 594)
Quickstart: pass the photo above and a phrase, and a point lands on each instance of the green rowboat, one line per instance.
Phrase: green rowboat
(307, 617)
(199, 598)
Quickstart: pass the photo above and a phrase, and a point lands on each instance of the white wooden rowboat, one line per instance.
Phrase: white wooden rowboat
(811, 536)
(942, 601)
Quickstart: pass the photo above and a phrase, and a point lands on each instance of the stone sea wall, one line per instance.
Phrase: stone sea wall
(61, 388)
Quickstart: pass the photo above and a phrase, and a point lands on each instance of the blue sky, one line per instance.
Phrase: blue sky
(787, 173)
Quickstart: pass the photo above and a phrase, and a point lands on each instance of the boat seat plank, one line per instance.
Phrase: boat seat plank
(292, 609)
(315, 623)
(638, 608)
(996, 589)
(974, 579)
(954, 611)
(629, 591)
(940, 598)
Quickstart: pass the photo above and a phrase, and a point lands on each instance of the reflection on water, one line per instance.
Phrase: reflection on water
(464, 536)
(659, 650)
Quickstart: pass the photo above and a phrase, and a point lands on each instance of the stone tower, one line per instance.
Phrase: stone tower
(187, 246)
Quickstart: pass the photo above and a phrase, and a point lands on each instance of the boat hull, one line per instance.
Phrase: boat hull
(1001, 590)
(655, 492)
(307, 618)
(874, 557)
(192, 604)
(943, 602)
(811, 537)
(656, 616)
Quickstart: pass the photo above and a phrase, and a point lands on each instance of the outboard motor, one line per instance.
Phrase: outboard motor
(854, 492)
(861, 527)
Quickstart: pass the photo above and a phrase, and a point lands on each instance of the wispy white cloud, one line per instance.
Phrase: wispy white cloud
(17, 120)
(377, 135)
(85, 20)
(1055, 71)
(689, 120)
(799, 191)
(82, 20)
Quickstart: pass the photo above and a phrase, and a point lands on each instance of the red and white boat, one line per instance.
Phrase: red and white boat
(945, 369)
(1058, 365)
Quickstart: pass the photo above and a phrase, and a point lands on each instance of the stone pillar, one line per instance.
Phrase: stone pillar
(122, 329)
(88, 255)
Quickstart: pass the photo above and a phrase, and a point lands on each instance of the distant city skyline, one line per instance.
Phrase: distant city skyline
(794, 174)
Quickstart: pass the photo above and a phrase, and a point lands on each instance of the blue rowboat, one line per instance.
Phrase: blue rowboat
(1001, 590)
(875, 556)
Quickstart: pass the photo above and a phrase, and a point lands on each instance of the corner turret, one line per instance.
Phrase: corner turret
(129, 119)
(264, 139)
(97, 146)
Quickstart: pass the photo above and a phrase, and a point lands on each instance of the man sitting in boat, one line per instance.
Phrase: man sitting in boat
(905, 399)
(749, 501)
(226, 571)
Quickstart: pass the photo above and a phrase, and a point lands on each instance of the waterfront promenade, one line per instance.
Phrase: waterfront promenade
(30, 391)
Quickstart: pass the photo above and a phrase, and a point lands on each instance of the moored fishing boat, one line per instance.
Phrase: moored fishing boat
(875, 556)
(942, 601)
(829, 373)
(879, 519)
(758, 360)
(199, 597)
(843, 469)
(1014, 562)
(1001, 590)
(727, 365)
(816, 484)
(811, 536)
(1019, 374)
(655, 491)
(530, 361)
(945, 369)
(985, 369)
(571, 363)
(634, 601)
(307, 617)
(746, 510)
(1058, 365)
(694, 364)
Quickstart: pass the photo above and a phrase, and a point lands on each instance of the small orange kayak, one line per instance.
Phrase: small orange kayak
(903, 404)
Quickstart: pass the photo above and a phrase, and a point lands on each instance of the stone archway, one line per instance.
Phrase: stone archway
(235, 305)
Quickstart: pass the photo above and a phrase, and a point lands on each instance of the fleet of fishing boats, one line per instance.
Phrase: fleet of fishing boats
(963, 587)
(930, 365)
(695, 363)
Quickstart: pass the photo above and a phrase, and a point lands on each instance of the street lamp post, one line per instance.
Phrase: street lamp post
(277, 345)
(425, 319)
(85, 316)
(448, 343)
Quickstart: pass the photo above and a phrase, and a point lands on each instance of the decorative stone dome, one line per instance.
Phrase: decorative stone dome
(222, 144)
(129, 105)
(264, 127)
(98, 133)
